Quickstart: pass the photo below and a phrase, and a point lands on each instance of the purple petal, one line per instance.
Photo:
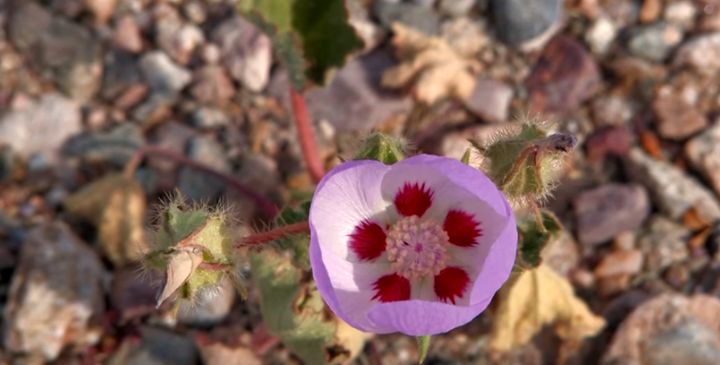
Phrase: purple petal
(489, 263)
(472, 179)
(348, 195)
(345, 197)
(419, 318)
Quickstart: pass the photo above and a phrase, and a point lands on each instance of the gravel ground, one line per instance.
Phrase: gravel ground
(84, 84)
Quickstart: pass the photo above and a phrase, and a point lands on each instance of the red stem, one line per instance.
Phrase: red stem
(269, 208)
(277, 233)
(305, 134)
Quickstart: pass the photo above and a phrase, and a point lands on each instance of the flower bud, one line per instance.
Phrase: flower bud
(381, 147)
(194, 246)
(526, 165)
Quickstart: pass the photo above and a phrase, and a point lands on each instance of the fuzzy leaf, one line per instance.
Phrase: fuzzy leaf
(311, 37)
(535, 298)
(533, 240)
(295, 312)
(116, 206)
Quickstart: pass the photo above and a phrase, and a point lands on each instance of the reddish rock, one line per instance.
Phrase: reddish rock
(608, 141)
(620, 262)
(212, 84)
(676, 118)
(127, 35)
(564, 76)
(608, 210)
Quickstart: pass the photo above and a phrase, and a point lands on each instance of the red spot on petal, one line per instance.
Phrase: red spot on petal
(462, 229)
(413, 199)
(392, 288)
(450, 283)
(368, 241)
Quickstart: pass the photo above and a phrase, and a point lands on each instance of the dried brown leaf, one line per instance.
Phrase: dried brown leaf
(116, 205)
(181, 264)
(536, 298)
(432, 67)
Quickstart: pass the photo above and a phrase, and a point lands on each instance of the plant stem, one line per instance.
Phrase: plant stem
(305, 134)
(269, 208)
(272, 235)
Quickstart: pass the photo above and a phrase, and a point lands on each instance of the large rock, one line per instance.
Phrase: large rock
(608, 210)
(672, 190)
(667, 330)
(246, 52)
(63, 51)
(564, 76)
(703, 152)
(701, 53)
(56, 297)
(520, 22)
(41, 127)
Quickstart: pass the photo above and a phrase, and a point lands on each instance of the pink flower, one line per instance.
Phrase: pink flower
(418, 247)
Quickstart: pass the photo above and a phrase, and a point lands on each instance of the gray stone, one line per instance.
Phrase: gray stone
(115, 146)
(654, 42)
(455, 8)
(163, 75)
(672, 190)
(62, 51)
(520, 22)
(41, 127)
(357, 87)
(196, 185)
(177, 38)
(415, 16)
(701, 53)
(689, 343)
(246, 52)
(703, 152)
(56, 295)
(683, 13)
(663, 243)
(157, 347)
(677, 119)
(209, 118)
(121, 72)
(212, 84)
(490, 100)
(604, 212)
(601, 34)
(668, 329)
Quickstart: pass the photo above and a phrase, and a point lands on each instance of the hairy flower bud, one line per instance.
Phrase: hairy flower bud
(194, 247)
(526, 165)
(381, 147)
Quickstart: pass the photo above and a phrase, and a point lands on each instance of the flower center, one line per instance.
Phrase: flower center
(417, 249)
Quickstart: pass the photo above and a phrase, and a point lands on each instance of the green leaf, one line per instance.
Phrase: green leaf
(310, 37)
(298, 243)
(466, 157)
(424, 345)
(294, 311)
(533, 240)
